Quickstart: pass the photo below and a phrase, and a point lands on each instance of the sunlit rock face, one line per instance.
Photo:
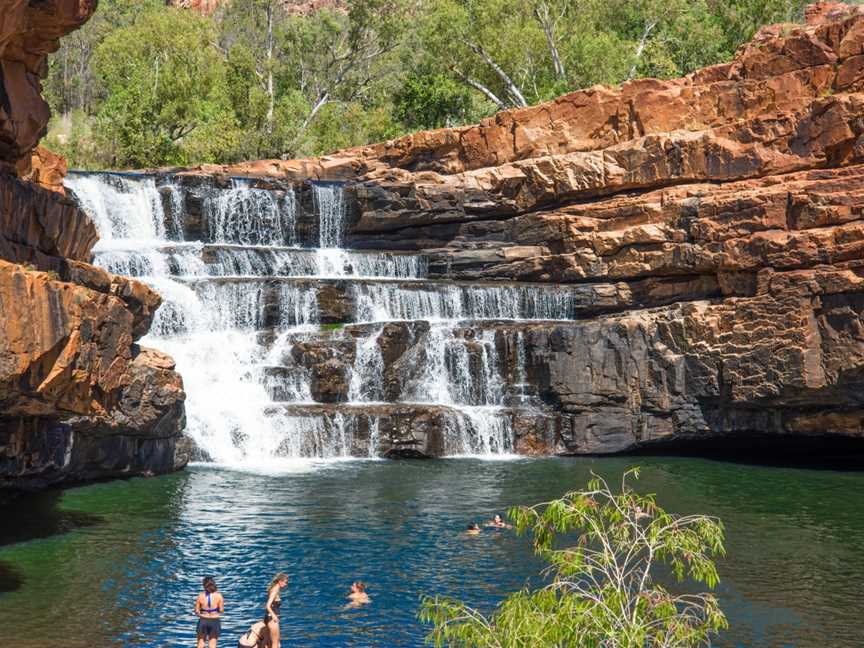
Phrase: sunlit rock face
(29, 31)
(79, 399)
(715, 220)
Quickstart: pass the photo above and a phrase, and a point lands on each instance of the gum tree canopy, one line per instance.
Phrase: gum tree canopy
(143, 84)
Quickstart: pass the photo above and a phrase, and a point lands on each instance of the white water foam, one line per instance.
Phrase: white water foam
(244, 214)
(330, 203)
(384, 302)
(213, 327)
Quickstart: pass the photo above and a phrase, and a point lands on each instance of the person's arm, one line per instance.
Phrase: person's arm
(270, 600)
(221, 604)
(198, 605)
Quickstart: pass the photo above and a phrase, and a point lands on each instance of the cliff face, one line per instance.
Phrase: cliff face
(713, 224)
(79, 399)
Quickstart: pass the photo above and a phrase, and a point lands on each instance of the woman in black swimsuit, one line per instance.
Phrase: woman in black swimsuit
(209, 606)
(272, 608)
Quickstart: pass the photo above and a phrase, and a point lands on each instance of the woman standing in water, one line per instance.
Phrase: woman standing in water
(272, 609)
(209, 606)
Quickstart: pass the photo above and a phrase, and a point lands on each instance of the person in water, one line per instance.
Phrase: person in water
(273, 607)
(473, 529)
(498, 523)
(358, 596)
(209, 607)
(258, 636)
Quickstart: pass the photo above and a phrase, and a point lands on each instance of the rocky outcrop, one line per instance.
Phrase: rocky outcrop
(79, 398)
(713, 223)
(29, 31)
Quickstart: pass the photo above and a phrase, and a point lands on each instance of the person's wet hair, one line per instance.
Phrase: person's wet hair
(281, 576)
(209, 584)
(360, 585)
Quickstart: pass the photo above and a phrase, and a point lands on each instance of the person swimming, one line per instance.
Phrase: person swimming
(273, 607)
(209, 607)
(473, 529)
(258, 636)
(498, 523)
(358, 596)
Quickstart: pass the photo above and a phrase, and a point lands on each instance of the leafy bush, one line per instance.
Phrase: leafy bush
(604, 590)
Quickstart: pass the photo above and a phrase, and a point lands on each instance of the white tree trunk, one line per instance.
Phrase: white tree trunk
(649, 27)
(271, 99)
(512, 89)
(541, 11)
(491, 96)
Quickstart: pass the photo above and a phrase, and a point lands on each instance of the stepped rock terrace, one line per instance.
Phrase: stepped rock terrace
(295, 347)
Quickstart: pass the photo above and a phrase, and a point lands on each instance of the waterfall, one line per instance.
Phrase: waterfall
(330, 202)
(385, 302)
(243, 214)
(122, 208)
(241, 316)
(367, 373)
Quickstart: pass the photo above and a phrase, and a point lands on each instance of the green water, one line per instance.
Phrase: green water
(118, 564)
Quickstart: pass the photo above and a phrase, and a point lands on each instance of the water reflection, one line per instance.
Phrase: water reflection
(795, 541)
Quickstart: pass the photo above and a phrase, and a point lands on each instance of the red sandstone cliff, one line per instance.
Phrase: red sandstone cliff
(715, 224)
(78, 398)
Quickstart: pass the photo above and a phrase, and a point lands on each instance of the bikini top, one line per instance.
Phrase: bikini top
(209, 609)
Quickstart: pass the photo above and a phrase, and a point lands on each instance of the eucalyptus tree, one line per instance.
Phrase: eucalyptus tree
(247, 39)
(341, 57)
(165, 95)
(605, 552)
(70, 84)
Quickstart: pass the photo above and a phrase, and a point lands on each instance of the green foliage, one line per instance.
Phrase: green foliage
(603, 589)
(74, 137)
(166, 91)
(143, 85)
(432, 101)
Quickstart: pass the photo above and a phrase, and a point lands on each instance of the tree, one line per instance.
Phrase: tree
(166, 97)
(248, 32)
(603, 590)
(339, 57)
(431, 100)
(255, 79)
(70, 84)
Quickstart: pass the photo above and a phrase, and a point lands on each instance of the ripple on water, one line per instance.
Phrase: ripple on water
(792, 576)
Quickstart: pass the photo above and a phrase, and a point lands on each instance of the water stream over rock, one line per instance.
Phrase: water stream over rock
(292, 347)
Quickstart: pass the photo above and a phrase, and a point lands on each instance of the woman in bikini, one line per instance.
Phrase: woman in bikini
(209, 607)
(272, 608)
(258, 636)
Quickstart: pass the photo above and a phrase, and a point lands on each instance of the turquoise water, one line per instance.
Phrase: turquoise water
(119, 564)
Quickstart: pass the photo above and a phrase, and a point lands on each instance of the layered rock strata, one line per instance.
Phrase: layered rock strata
(713, 223)
(79, 399)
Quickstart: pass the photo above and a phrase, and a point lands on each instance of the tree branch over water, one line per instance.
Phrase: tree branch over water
(603, 590)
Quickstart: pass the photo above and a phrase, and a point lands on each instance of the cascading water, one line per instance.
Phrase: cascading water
(241, 317)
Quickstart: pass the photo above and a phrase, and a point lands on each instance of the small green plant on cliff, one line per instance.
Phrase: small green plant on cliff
(602, 590)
